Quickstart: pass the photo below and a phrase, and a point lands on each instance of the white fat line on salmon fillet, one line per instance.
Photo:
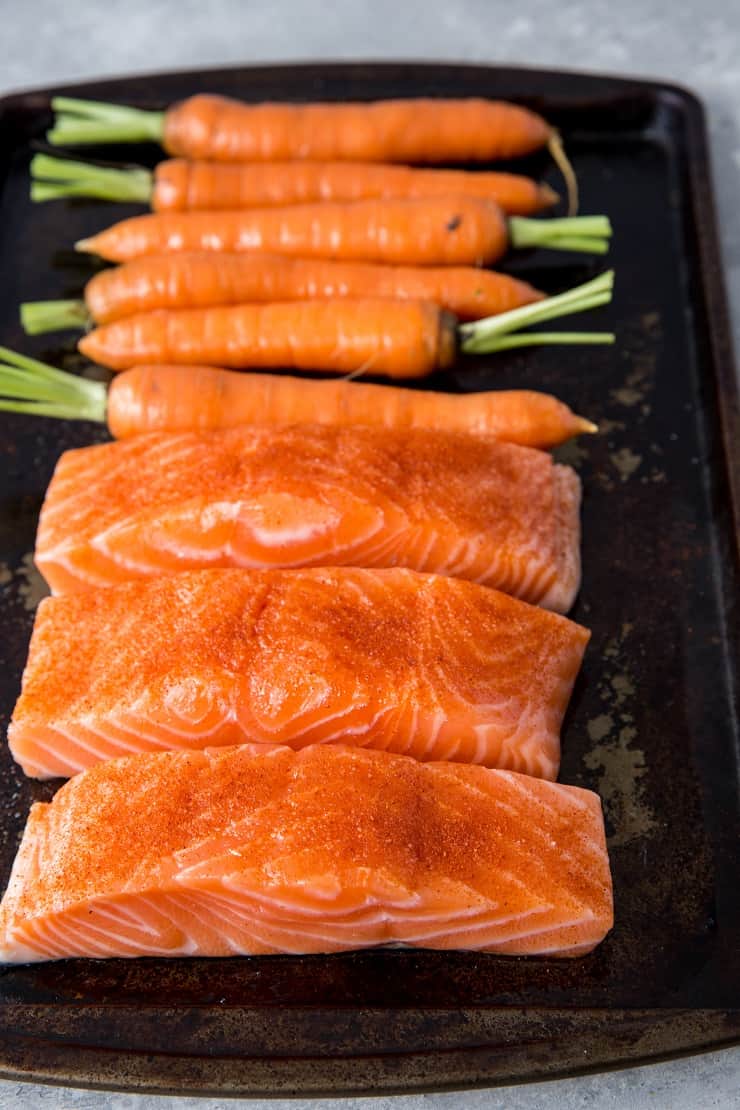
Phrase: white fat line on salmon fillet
(109, 938)
(388, 732)
(227, 926)
(66, 937)
(123, 915)
(56, 736)
(320, 906)
(588, 922)
(308, 724)
(18, 952)
(65, 557)
(558, 809)
(36, 936)
(492, 932)
(177, 908)
(288, 946)
(124, 729)
(526, 728)
(304, 924)
(114, 734)
(307, 736)
(118, 462)
(482, 921)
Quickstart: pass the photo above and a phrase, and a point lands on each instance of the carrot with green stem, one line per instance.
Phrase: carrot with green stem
(184, 398)
(396, 339)
(423, 131)
(204, 279)
(445, 231)
(177, 185)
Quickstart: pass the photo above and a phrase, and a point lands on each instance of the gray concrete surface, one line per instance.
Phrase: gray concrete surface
(692, 42)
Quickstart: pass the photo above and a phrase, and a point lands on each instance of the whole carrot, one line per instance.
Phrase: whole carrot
(204, 279)
(419, 130)
(461, 231)
(177, 185)
(181, 398)
(397, 339)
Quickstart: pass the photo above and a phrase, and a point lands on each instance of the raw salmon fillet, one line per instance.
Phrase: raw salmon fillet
(314, 495)
(247, 850)
(425, 664)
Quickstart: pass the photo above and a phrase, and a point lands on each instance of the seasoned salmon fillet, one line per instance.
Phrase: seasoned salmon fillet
(430, 665)
(253, 850)
(314, 495)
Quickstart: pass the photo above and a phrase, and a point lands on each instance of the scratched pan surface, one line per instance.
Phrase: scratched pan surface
(651, 722)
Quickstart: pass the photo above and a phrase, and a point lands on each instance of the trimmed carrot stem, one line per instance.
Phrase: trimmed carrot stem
(550, 338)
(38, 317)
(62, 177)
(589, 234)
(32, 387)
(89, 121)
(486, 336)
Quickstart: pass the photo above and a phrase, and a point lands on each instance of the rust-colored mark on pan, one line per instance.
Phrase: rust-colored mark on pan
(31, 586)
(614, 754)
(626, 462)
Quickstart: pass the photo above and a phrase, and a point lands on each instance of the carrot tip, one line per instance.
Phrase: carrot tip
(586, 426)
(548, 195)
(84, 245)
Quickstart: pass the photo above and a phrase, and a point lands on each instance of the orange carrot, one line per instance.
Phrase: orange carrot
(398, 339)
(431, 231)
(181, 398)
(202, 280)
(150, 398)
(223, 130)
(177, 185)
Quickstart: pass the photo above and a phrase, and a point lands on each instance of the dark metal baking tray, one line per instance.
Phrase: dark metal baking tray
(652, 725)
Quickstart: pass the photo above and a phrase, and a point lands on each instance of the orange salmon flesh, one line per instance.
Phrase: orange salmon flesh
(321, 495)
(428, 665)
(246, 850)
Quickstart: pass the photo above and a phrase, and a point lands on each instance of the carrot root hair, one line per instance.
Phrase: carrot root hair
(564, 164)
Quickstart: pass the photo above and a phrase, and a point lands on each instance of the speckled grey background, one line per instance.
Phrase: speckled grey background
(687, 41)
